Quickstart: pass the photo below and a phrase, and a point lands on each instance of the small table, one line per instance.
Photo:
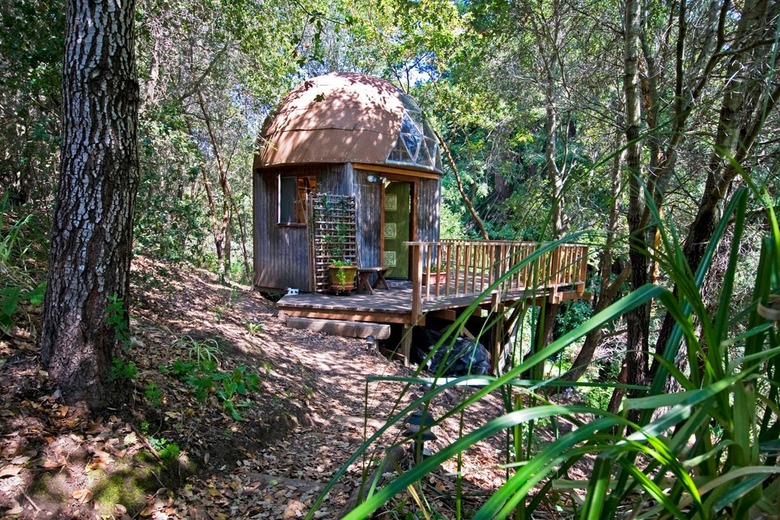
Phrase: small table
(364, 279)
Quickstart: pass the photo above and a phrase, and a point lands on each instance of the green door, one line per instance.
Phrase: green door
(397, 229)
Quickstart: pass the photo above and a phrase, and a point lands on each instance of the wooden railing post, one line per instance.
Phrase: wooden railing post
(417, 273)
(583, 259)
(555, 272)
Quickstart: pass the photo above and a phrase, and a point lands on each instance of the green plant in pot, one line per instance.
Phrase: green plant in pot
(435, 274)
(342, 275)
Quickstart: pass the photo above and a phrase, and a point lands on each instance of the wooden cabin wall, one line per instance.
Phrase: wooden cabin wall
(338, 179)
(428, 204)
(283, 252)
(369, 219)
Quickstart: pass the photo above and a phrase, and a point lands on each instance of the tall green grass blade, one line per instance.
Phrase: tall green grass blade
(491, 428)
(727, 287)
(672, 345)
(596, 497)
(533, 471)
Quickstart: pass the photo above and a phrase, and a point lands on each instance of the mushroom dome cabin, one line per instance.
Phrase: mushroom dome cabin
(354, 139)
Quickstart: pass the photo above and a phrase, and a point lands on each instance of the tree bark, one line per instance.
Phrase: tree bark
(99, 176)
(607, 289)
(747, 102)
(638, 319)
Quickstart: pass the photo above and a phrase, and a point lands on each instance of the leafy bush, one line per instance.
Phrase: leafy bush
(18, 289)
(122, 370)
(201, 371)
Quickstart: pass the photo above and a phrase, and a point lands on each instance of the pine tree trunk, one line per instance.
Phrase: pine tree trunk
(99, 176)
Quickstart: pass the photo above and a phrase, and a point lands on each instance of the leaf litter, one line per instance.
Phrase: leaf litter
(304, 421)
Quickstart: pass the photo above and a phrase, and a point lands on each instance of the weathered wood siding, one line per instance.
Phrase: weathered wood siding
(368, 196)
(428, 204)
(283, 252)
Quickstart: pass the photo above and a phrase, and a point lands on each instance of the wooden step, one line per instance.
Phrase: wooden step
(350, 329)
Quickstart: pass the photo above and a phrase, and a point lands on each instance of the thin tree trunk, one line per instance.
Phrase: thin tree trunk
(607, 289)
(463, 195)
(93, 223)
(746, 104)
(215, 230)
(638, 319)
(224, 183)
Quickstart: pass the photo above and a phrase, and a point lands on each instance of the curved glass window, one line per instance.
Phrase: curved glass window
(416, 145)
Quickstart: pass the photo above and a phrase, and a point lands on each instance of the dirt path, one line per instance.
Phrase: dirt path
(312, 410)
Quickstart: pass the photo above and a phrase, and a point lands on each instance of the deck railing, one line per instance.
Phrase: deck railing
(468, 268)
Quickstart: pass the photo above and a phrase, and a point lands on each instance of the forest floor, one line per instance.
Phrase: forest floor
(166, 454)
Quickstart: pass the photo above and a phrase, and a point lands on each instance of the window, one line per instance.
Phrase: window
(293, 194)
(417, 144)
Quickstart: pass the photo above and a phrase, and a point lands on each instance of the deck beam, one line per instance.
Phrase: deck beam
(351, 329)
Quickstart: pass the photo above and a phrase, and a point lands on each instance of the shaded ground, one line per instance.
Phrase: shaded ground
(166, 454)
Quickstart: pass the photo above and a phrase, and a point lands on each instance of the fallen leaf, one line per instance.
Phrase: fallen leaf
(82, 495)
(16, 509)
(10, 471)
(52, 463)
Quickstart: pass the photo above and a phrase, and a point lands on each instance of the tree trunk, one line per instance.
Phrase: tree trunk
(607, 288)
(747, 102)
(99, 175)
(638, 319)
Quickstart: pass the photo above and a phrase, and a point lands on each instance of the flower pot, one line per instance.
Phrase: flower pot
(342, 277)
(434, 278)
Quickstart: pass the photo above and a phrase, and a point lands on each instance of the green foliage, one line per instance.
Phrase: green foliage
(167, 450)
(571, 315)
(171, 223)
(201, 371)
(117, 320)
(122, 370)
(32, 36)
(13, 298)
(707, 451)
(17, 289)
(254, 328)
(153, 394)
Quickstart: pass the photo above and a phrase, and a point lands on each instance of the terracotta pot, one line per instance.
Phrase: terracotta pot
(342, 277)
(434, 278)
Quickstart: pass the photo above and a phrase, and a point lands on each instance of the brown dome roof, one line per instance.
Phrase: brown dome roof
(339, 118)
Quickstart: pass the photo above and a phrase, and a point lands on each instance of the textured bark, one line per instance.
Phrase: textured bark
(93, 222)
(608, 289)
(638, 319)
(747, 102)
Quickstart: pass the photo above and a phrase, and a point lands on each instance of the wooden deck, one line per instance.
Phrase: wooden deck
(395, 305)
(494, 273)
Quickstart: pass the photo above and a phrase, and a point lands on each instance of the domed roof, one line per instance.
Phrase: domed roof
(348, 117)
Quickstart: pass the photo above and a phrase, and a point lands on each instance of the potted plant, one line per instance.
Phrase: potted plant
(342, 275)
(435, 274)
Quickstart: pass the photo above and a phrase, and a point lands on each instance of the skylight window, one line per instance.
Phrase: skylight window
(416, 145)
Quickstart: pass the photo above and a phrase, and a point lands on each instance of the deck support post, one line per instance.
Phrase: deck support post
(406, 345)
(497, 333)
(415, 252)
